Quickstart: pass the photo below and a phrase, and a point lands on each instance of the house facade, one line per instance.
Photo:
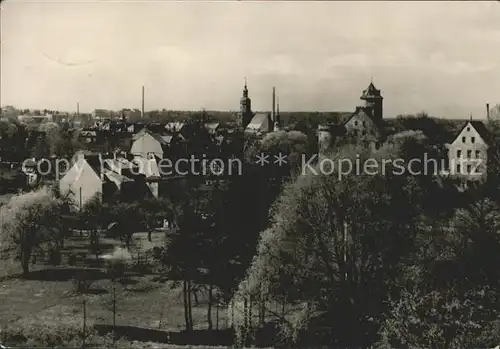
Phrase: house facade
(145, 143)
(84, 180)
(468, 153)
(92, 176)
(363, 124)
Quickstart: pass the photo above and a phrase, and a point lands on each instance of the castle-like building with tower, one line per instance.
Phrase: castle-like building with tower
(366, 122)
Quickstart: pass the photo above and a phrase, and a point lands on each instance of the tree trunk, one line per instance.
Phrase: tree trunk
(25, 260)
(217, 313)
(262, 309)
(195, 294)
(185, 297)
(190, 306)
(245, 321)
(250, 315)
(114, 310)
(209, 311)
(150, 239)
(232, 313)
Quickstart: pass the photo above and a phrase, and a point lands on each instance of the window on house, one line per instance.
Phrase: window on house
(355, 123)
(469, 154)
(459, 153)
(473, 139)
(469, 168)
(459, 168)
(468, 129)
(478, 153)
(463, 139)
(364, 123)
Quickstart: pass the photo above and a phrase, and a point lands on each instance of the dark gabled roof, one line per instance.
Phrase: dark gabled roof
(167, 138)
(480, 128)
(159, 138)
(95, 162)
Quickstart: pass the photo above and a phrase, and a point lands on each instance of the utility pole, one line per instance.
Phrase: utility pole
(77, 110)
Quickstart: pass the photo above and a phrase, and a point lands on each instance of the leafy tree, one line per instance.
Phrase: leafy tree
(153, 211)
(337, 247)
(52, 136)
(495, 113)
(125, 219)
(91, 217)
(455, 301)
(29, 221)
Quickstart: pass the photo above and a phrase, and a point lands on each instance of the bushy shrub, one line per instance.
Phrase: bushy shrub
(82, 282)
(68, 334)
(442, 320)
(54, 257)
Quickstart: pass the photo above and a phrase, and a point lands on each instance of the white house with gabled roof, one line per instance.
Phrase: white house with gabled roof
(468, 153)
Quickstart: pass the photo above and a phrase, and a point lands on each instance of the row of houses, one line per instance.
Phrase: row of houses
(149, 166)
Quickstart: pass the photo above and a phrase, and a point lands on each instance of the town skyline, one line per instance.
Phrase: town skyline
(441, 58)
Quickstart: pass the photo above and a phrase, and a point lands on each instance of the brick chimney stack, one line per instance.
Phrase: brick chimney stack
(488, 112)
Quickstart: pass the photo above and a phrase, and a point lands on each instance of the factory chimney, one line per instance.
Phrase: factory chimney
(273, 114)
(142, 102)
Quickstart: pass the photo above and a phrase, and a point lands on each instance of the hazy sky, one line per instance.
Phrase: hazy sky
(441, 57)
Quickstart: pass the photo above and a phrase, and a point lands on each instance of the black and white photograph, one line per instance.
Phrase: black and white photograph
(249, 174)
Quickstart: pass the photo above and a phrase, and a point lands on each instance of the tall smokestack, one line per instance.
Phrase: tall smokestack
(77, 109)
(273, 114)
(142, 102)
(488, 112)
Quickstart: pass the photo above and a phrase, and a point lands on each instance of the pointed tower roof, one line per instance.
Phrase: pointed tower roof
(245, 90)
(371, 92)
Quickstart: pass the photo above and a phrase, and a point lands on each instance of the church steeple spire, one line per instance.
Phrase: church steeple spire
(245, 114)
(245, 89)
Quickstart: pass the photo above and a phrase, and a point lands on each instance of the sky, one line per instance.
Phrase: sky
(438, 57)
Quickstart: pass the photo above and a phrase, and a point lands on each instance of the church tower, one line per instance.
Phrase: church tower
(373, 101)
(246, 114)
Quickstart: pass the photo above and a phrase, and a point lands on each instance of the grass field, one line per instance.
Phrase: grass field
(47, 296)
